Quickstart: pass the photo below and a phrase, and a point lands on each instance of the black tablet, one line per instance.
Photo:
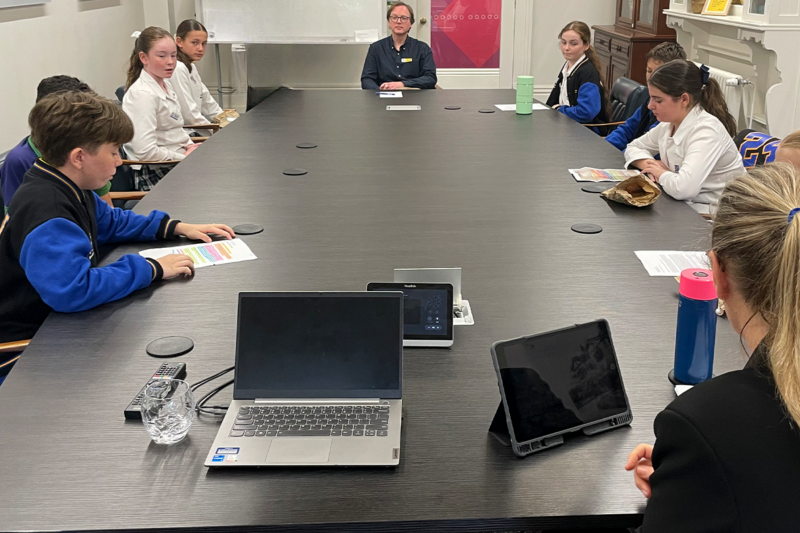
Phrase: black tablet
(559, 382)
(428, 315)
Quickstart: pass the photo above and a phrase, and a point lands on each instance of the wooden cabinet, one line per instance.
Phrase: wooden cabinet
(639, 26)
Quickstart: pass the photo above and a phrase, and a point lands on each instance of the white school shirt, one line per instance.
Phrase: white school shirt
(197, 105)
(701, 157)
(158, 133)
(563, 97)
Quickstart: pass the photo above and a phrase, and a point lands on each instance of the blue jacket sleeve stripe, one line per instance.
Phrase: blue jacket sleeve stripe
(623, 135)
(588, 106)
(55, 257)
(117, 225)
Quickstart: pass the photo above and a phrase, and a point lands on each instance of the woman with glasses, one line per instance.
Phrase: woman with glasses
(399, 61)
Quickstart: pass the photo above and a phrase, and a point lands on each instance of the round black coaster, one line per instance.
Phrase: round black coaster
(485, 110)
(306, 146)
(586, 228)
(247, 229)
(597, 187)
(170, 346)
(452, 107)
(295, 172)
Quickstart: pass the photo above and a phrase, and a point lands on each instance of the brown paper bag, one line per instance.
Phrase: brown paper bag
(226, 117)
(637, 191)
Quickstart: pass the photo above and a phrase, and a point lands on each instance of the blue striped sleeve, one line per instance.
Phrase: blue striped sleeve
(625, 133)
(588, 106)
(118, 225)
(55, 257)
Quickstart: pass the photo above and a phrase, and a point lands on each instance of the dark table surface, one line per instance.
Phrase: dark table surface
(487, 192)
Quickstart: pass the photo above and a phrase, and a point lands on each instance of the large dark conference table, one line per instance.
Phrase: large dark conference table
(487, 192)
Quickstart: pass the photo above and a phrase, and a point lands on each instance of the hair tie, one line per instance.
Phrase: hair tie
(705, 72)
(792, 213)
(136, 34)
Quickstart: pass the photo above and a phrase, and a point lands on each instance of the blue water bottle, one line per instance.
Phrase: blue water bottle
(697, 328)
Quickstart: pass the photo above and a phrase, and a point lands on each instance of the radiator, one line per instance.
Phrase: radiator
(732, 86)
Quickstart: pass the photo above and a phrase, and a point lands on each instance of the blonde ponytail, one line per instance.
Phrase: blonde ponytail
(757, 240)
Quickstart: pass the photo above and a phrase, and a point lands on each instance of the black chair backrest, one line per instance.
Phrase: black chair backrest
(120, 92)
(123, 177)
(626, 98)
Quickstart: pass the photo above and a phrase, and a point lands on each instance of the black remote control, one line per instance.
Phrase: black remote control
(165, 371)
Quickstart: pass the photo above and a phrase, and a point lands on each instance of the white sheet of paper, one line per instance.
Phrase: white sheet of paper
(391, 94)
(366, 36)
(513, 107)
(207, 254)
(671, 262)
(680, 389)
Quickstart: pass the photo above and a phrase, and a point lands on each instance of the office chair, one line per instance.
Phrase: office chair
(626, 97)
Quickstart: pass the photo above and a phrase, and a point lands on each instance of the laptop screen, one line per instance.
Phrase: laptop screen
(319, 345)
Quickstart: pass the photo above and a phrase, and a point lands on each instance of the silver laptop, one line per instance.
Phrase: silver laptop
(318, 381)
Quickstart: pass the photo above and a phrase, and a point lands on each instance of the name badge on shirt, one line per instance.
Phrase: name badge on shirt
(407, 60)
(175, 116)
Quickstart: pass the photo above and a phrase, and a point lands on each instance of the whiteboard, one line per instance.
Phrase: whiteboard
(291, 21)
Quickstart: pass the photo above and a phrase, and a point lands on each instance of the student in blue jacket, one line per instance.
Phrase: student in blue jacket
(579, 92)
(49, 246)
(643, 119)
(22, 157)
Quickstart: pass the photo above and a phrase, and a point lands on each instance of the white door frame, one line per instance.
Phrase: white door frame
(516, 27)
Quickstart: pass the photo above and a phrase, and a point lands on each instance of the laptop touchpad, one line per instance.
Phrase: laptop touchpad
(299, 450)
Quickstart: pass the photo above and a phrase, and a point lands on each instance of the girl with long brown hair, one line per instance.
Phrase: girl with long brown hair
(698, 155)
(197, 105)
(153, 106)
(579, 92)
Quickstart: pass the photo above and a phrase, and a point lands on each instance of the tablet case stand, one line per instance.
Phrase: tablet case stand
(499, 430)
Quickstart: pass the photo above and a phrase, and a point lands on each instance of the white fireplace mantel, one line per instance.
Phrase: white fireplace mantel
(769, 57)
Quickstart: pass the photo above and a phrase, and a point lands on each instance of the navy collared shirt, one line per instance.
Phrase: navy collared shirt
(412, 64)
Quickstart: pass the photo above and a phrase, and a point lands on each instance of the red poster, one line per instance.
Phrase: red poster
(466, 33)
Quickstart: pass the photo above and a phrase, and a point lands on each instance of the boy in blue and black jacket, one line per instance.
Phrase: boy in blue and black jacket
(49, 244)
(643, 119)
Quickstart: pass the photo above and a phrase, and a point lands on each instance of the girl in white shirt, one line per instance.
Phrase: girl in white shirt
(153, 107)
(197, 105)
(694, 137)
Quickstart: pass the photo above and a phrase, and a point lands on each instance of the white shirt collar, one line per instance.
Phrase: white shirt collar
(568, 71)
(687, 124)
(153, 84)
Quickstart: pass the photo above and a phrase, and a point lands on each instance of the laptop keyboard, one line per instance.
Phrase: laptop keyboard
(312, 421)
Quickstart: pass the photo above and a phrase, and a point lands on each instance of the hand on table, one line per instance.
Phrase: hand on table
(653, 168)
(640, 461)
(392, 85)
(556, 106)
(200, 232)
(176, 264)
(191, 148)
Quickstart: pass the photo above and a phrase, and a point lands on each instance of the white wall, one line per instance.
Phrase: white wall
(548, 18)
(340, 65)
(88, 39)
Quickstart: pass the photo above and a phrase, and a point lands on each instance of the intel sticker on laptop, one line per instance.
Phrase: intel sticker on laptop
(227, 451)
(218, 459)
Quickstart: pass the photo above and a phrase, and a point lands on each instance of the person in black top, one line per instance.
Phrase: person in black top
(399, 61)
(727, 452)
